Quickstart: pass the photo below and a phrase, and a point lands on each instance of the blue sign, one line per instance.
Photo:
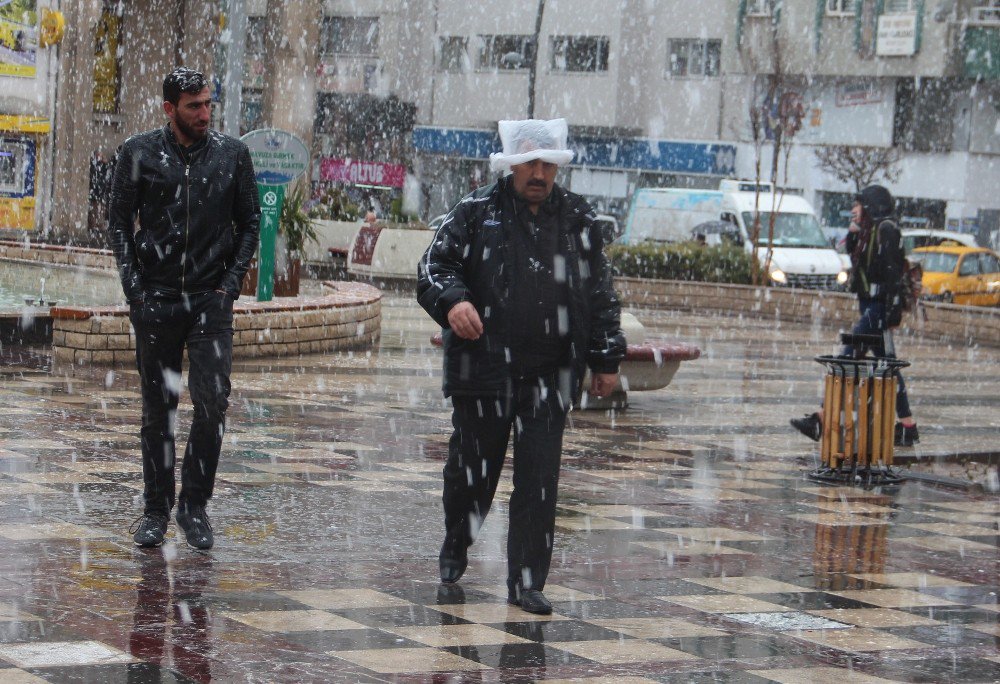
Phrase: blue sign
(644, 154)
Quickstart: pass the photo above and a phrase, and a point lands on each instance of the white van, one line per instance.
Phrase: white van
(801, 256)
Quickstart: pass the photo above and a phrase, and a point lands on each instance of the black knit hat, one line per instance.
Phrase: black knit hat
(877, 202)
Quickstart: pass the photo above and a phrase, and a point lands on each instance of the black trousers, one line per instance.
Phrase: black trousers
(202, 323)
(536, 411)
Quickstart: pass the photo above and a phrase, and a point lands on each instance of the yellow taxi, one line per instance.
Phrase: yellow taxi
(963, 275)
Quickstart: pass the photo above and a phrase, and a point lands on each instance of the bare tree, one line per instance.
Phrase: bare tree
(858, 164)
(775, 116)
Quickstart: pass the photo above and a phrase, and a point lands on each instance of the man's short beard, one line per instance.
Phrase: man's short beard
(189, 131)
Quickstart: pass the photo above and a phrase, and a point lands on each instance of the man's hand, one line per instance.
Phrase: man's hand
(603, 384)
(464, 321)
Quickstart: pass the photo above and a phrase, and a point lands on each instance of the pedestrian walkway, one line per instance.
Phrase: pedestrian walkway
(689, 548)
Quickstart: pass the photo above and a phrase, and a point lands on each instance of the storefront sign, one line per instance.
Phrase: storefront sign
(18, 38)
(662, 156)
(278, 156)
(852, 94)
(897, 35)
(362, 172)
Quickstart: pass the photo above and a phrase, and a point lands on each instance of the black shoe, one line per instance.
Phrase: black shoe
(530, 600)
(197, 529)
(452, 563)
(810, 425)
(149, 529)
(906, 436)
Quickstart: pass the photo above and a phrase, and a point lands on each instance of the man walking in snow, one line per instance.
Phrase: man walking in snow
(517, 279)
(195, 197)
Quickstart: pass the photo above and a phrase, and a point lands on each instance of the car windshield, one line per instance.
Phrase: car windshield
(937, 262)
(790, 230)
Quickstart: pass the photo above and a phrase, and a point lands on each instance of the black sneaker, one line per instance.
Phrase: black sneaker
(906, 436)
(809, 425)
(197, 529)
(149, 529)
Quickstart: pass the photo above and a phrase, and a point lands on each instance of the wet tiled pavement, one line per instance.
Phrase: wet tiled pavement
(690, 548)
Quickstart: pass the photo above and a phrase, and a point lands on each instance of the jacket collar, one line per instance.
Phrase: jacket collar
(549, 206)
(199, 145)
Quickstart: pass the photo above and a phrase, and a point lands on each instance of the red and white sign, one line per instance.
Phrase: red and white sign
(860, 93)
(362, 172)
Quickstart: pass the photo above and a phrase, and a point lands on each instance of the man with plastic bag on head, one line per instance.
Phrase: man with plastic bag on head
(517, 279)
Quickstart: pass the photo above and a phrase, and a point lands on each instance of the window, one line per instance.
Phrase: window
(840, 8)
(989, 264)
(970, 265)
(939, 262)
(349, 36)
(694, 57)
(987, 12)
(760, 7)
(506, 52)
(256, 31)
(251, 110)
(580, 53)
(454, 53)
(900, 6)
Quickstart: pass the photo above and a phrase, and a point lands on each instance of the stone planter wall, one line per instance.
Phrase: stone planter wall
(348, 318)
(937, 321)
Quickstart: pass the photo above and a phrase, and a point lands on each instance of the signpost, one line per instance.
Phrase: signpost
(278, 159)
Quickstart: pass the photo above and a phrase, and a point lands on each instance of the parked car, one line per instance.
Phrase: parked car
(963, 275)
(929, 237)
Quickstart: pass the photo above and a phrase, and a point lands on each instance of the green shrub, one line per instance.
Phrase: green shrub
(681, 261)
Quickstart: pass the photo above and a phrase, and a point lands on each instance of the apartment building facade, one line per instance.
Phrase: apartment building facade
(908, 75)
(394, 94)
(639, 116)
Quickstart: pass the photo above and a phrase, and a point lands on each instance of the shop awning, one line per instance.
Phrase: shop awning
(642, 154)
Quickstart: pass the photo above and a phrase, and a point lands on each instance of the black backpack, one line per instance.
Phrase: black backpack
(905, 295)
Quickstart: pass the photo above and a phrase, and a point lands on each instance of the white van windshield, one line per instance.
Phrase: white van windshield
(790, 230)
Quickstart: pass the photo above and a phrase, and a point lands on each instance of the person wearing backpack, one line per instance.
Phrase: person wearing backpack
(878, 266)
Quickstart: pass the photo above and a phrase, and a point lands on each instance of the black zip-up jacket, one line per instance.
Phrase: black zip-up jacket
(469, 260)
(879, 267)
(198, 215)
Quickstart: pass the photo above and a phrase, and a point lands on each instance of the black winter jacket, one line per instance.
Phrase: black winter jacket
(198, 215)
(468, 261)
(879, 268)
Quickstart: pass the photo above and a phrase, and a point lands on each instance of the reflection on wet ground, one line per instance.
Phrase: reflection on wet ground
(690, 548)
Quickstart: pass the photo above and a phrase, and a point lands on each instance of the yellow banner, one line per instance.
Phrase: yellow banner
(25, 124)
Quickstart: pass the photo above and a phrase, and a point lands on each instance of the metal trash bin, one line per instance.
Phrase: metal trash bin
(859, 418)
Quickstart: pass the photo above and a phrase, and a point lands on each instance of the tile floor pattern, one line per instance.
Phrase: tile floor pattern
(689, 546)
